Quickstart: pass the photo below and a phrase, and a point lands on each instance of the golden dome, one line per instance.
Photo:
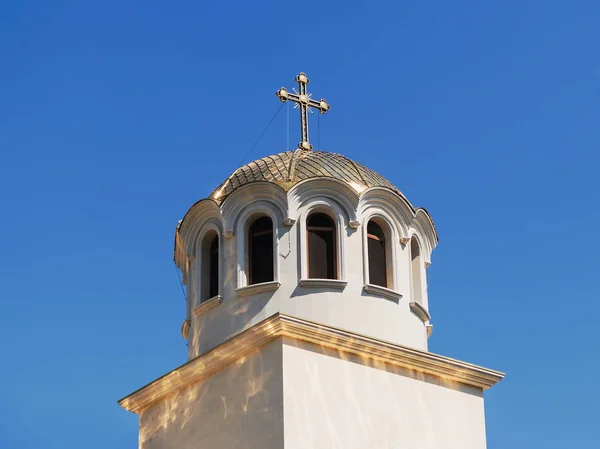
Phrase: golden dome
(291, 167)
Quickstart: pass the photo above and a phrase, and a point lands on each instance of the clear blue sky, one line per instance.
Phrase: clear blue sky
(116, 116)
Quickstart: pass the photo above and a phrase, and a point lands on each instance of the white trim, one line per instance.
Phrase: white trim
(334, 211)
(323, 283)
(200, 258)
(290, 330)
(207, 305)
(235, 205)
(391, 247)
(331, 190)
(246, 218)
(255, 289)
(422, 288)
(387, 293)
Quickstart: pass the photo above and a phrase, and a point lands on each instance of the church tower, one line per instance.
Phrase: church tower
(307, 317)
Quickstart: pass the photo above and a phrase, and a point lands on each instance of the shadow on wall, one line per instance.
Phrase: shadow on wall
(235, 314)
(242, 404)
(238, 406)
(357, 404)
(365, 360)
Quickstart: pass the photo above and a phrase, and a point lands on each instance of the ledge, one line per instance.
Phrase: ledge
(420, 311)
(378, 290)
(185, 328)
(257, 288)
(335, 284)
(207, 305)
(279, 326)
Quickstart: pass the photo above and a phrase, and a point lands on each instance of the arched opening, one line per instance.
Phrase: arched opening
(416, 270)
(213, 266)
(209, 285)
(378, 255)
(260, 251)
(322, 263)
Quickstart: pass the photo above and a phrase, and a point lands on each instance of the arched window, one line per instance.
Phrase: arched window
(377, 255)
(209, 285)
(322, 262)
(213, 266)
(416, 270)
(260, 251)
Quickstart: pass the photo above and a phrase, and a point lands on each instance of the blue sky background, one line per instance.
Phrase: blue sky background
(115, 117)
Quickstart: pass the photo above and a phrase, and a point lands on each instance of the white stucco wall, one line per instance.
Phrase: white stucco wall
(294, 395)
(238, 407)
(352, 308)
(333, 402)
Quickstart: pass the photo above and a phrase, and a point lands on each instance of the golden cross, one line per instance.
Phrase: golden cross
(304, 102)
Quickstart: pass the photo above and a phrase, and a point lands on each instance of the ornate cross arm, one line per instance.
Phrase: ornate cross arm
(321, 105)
(304, 102)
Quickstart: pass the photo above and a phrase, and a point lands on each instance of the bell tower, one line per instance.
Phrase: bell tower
(307, 316)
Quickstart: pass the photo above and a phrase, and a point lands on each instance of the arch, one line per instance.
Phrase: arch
(269, 195)
(209, 269)
(425, 229)
(395, 208)
(379, 253)
(244, 220)
(336, 214)
(205, 213)
(328, 190)
(321, 240)
(392, 232)
(407, 218)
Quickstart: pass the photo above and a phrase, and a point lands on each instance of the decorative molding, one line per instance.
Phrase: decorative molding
(323, 283)
(228, 234)
(404, 240)
(354, 224)
(427, 264)
(420, 311)
(289, 222)
(207, 305)
(344, 342)
(429, 328)
(185, 328)
(254, 289)
(382, 291)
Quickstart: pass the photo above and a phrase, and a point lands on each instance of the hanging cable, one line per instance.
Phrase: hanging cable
(260, 136)
(319, 131)
(180, 281)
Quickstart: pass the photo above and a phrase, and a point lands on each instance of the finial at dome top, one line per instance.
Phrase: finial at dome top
(304, 102)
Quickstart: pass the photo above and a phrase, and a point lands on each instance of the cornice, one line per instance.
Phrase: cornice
(420, 311)
(185, 328)
(334, 284)
(279, 325)
(254, 289)
(387, 293)
(207, 305)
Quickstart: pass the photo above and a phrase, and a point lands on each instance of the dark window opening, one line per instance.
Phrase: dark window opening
(213, 282)
(377, 256)
(260, 251)
(415, 254)
(321, 247)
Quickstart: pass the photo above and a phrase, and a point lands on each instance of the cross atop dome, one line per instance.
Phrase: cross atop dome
(304, 102)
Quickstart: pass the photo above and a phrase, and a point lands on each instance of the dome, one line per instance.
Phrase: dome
(291, 167)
